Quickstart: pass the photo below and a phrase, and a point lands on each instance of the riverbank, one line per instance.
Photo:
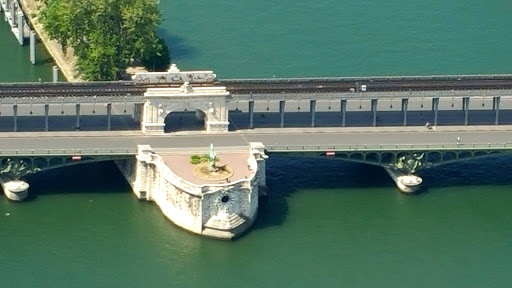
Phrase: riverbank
(65, 61)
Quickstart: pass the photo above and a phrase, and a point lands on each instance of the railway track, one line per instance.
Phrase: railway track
(262, 86)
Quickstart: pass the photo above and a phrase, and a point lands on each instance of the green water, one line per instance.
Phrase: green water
(326, 223)
(15, 63)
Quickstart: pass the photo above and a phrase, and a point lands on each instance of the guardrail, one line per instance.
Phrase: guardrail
(386, 147)
(69, 152)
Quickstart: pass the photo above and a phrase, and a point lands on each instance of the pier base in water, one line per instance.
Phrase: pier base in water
(15, 190)
(406, 183)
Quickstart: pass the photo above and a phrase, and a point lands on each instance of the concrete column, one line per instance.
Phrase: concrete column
(15, 112)
(281, 111)
(251, 114)
(12, 13)
(109, 116)
(78, 116)
(32, 47)
(374, 110)
(21, 22)
(405, 103)
(55, 74)
(496, 105)
(46, 113)
(343, 112)
(435, 107)
(312, 109)
(465, 102)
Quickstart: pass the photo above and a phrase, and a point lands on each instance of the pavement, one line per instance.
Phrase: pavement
(259, 131)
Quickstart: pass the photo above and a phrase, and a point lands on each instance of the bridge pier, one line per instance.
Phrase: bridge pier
(312, 109)
(435, 108)
(281, 111)
(374, 111)
(78, 116)
(15, 114)
(406, 183)
(109, 116)
(405, 103)
(46, 113)
(14, 190)
(213, 208)
(251, 114)
(465, 107)
(343, 108)
(496, 107)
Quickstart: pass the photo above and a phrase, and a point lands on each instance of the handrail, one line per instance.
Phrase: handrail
(386, 147)
(68, 152)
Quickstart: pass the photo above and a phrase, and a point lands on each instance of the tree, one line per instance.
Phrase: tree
(107, 35)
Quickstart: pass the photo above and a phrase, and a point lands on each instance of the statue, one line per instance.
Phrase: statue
(410, 162)
(17, 168)
(212, 158)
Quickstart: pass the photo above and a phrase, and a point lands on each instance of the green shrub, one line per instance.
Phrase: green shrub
(195, 161)
(195, 157)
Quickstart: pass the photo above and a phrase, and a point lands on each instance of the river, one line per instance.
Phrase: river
(326, 223)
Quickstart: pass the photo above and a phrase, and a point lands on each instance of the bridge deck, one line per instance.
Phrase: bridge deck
(489, 137)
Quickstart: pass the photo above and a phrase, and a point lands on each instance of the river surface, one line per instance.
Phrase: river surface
(326, 223)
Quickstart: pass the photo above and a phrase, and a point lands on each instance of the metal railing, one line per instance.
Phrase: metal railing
(386, 147)
(68, 152)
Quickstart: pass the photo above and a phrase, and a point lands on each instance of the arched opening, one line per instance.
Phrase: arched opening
(185, 121)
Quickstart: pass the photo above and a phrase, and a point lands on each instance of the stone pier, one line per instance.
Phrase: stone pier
(14, 190)
(406, 183)
(220, 208)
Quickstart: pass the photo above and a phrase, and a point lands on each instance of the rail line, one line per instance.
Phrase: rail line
(262, 86)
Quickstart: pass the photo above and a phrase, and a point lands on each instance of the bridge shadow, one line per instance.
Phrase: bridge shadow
(288, 174)
(98, 177)
(492, 170)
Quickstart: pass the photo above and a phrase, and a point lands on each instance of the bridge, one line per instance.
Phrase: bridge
(146, 124)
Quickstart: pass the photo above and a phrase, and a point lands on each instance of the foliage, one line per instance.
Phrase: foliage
(195, 161)
(195, 157)
(106, 35)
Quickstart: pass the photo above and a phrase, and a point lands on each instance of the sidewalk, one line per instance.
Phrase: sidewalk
(333, 130)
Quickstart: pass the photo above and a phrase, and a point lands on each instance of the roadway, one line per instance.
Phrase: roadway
(286, 136)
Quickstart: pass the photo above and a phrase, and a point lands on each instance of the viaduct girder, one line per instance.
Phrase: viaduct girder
(409, 158)
(16, 164)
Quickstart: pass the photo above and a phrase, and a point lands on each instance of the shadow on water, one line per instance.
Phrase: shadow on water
(178, 47)
(492, 170)
(98, 177)
(288, 174)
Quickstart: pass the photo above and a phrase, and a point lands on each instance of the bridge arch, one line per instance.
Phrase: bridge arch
(210, 101)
